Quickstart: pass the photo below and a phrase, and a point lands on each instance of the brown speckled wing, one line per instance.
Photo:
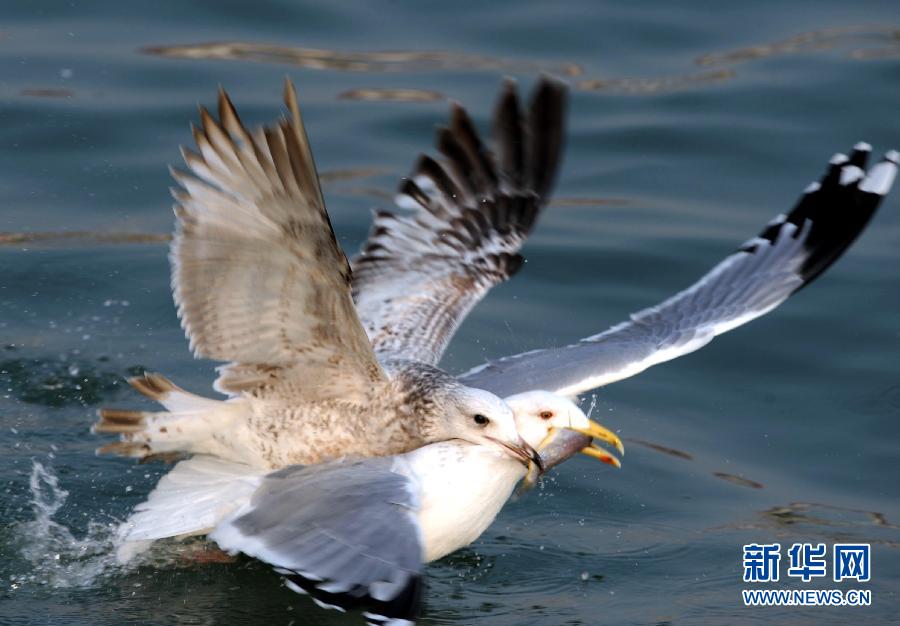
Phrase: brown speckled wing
(419, 274)
(258, 276)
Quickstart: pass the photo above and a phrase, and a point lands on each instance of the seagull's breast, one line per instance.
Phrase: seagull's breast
(461, 487)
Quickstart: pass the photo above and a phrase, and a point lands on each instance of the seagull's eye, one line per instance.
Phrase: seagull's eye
(481, 420)
(545, 415)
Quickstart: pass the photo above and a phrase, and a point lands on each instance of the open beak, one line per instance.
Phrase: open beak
(563, 443)
(524, 452)
(596, 431)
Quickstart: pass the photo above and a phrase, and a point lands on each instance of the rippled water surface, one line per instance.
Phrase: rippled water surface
(691, 125)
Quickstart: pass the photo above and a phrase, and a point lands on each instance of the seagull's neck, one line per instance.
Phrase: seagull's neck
(462, 487)
(417, 393)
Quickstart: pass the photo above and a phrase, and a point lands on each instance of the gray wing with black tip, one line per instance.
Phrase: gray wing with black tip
(790, 252)
(345, 532)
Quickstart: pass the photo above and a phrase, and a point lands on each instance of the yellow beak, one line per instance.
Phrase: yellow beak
(601, 455)
(562, 443)
(596, 431)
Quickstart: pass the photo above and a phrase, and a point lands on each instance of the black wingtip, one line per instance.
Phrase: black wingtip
(404, 605)
(523, 164)
(547, 129)
(837, 208)
(553, 84)
(860, 154)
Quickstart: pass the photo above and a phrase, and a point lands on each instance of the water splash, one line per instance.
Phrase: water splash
(591, 408)
(67, 380)
(57, 557)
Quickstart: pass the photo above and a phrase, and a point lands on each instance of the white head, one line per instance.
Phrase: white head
(538, 411)
(480, 417)
(558, 428)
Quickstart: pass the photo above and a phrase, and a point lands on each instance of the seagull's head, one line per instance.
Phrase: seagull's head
(559, 429)
(480, 417)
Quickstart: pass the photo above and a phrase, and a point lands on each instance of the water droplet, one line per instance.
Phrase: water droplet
(593, 405)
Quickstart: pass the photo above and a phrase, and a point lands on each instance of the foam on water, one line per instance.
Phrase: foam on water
(58, 558)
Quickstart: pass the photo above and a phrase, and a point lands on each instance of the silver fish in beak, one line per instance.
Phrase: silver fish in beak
(561, 444)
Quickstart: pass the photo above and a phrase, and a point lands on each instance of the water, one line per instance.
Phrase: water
(691, 125)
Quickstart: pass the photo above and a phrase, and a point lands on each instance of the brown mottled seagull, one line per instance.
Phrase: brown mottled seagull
(260, 280)
(356, 534)
(318, 374)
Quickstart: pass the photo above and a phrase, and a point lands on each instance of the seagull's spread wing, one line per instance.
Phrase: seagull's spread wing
(346, 533)
(258, 276)
(790, 252)
(419, 274)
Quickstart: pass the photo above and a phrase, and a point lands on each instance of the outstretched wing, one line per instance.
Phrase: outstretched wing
(790, 252)
(257, 274)
(418, 275)
(345, 533)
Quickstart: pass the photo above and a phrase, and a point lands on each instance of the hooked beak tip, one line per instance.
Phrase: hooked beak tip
(534, 457)
(523, 451)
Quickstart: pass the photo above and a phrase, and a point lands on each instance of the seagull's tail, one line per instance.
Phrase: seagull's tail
(187, 427)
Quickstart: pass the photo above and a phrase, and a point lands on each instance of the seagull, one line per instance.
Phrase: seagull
(332, 359)
(329, 361)
(357, 533)
(254, 266)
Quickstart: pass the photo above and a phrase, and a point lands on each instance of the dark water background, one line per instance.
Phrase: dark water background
(691, 124)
